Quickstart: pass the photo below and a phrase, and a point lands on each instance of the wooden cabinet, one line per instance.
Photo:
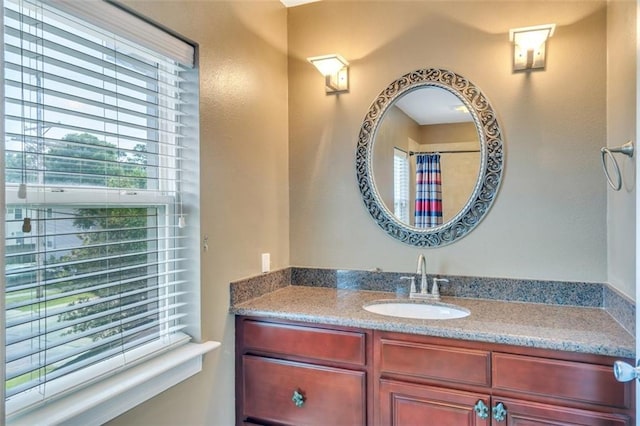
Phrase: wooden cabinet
(290, 374)
(421, 380)
(412, 404)
(310, 374)
(324, 394)
(529, 413)
(469, 383)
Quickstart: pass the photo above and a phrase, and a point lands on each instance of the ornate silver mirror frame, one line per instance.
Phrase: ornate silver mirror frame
(491, 158)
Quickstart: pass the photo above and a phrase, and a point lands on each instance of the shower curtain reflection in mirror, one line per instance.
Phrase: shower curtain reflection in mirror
(458, 171)
(428, 206)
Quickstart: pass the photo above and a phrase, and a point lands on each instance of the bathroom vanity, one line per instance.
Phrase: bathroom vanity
(293, 373)
(313, 356)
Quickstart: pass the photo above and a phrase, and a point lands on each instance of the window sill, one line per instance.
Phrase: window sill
(111, 397)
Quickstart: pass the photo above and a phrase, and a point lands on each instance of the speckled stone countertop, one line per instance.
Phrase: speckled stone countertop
(568, 328)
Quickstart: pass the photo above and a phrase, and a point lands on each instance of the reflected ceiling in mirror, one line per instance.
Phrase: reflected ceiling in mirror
(429, 157)
(433, 105)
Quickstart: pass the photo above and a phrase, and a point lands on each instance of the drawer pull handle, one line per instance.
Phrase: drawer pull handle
(481, 409)
(499, 412)
(298, 399)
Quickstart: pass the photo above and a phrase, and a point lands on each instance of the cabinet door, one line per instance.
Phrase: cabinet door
(412, 404)
(294, 393)
(524, 413)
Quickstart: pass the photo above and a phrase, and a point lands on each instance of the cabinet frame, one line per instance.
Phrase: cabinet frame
(620, 396)
(361, 350)
(345, 359)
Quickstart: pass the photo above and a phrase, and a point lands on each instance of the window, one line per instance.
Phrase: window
(100, 157)
(401, 185)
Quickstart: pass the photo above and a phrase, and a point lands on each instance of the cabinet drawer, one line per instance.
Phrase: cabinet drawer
(431, 362)
(332, 396)
(575, 381)
(306, 342)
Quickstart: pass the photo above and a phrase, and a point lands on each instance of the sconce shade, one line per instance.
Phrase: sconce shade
(335, 69)
(529, 46)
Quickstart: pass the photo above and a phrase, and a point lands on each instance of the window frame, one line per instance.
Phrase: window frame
(152, 372)
(401, 182)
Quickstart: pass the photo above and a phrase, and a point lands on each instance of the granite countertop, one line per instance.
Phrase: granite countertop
(567, 328)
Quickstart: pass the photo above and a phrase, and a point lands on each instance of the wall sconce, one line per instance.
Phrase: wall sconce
(335, 70)
(529, 46)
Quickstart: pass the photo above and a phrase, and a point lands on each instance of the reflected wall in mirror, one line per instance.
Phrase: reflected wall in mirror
(432, 126)
(429, 157)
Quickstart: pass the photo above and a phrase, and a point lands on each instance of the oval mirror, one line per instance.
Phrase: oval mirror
(429, 157)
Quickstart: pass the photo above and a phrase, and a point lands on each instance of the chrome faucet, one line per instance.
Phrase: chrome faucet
(424, 294)
(422, 270)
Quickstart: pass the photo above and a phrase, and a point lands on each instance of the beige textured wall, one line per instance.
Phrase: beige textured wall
(244, 171)
(549, 219)
(621, 127)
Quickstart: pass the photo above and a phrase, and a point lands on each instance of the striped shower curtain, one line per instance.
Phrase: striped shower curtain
(428, 195)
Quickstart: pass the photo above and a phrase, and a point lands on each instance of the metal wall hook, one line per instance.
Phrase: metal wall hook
(625, 149)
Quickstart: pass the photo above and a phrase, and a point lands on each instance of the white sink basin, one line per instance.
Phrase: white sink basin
(418, 310)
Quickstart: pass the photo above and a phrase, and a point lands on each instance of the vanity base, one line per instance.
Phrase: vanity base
(291, 373)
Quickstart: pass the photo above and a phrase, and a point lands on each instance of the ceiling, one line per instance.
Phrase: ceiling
(292, 3)
(433, 105)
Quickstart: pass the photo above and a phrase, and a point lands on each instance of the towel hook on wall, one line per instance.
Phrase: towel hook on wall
(626, 149)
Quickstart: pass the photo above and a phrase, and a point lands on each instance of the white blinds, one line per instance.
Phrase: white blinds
(128, 26)
(94, 155)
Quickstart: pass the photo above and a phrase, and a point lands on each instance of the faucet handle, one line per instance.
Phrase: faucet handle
(413, 283)
(434, 289)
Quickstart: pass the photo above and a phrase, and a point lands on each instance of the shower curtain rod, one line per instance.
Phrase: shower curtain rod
(443, 152)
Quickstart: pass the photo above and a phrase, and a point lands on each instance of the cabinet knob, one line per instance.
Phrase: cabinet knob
(625, 372)
(499, 412)
(298, 398)
(481, 409)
